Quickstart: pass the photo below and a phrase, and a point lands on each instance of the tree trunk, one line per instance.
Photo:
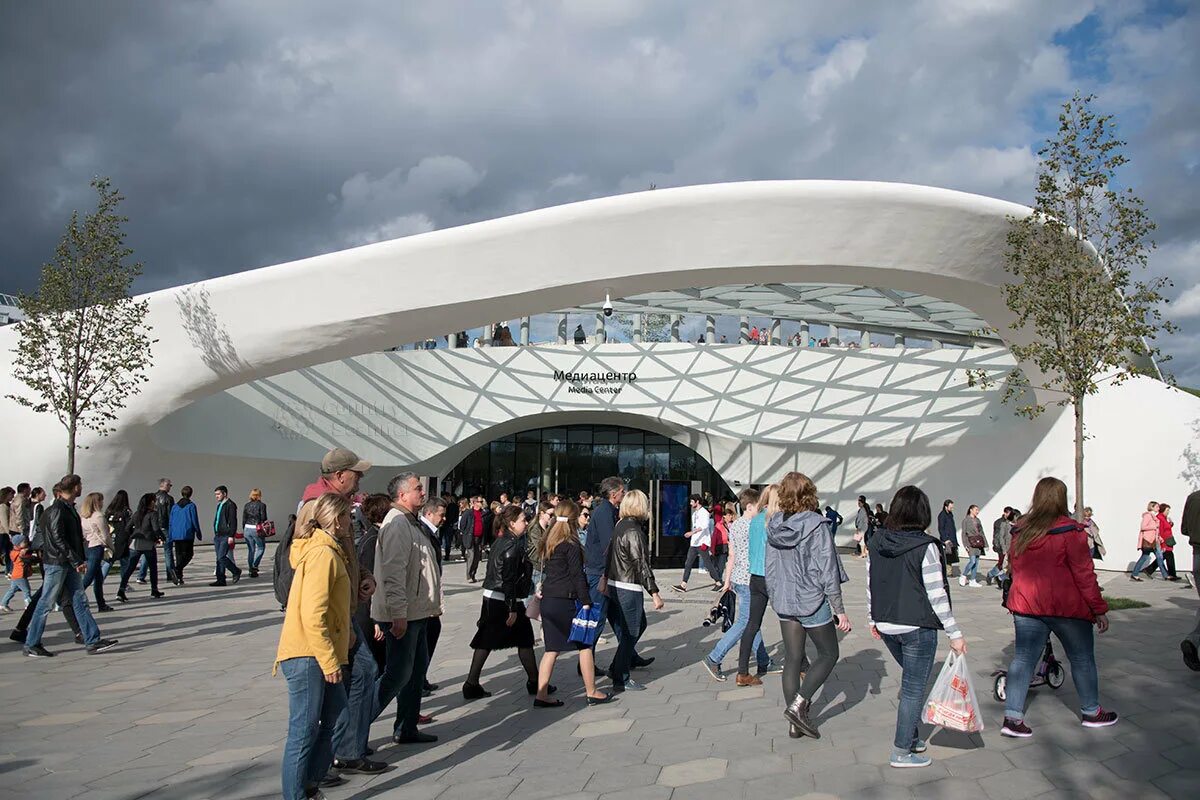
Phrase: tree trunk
(71, 448)
(1078, 405)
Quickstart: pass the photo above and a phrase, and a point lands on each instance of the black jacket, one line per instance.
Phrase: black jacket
(947, 530)
(1189, 522)
(163, 503)
(629, 556)
(120, 525)
(897, 587)
(227, 524)
(509, 571)
(144, 532)
(254, 513)
(366, 561)
(563, 576)
(64, 536)
(435, 538)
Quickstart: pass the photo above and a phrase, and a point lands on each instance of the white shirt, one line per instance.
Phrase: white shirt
(701, 535)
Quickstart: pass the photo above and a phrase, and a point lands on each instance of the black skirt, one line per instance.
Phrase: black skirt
(557, 613)
(494, 634)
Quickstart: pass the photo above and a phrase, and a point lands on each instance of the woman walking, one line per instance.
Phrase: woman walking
(144, 534)
(908, 601)
(1054, 590)
(1093, 532)
(1166, 539)
(862, 525)
(502, 621)
(563, 586)
(6, 546)
(314, 645)
(972, 530)
(119, 518)
(97, 541)
(629, 578)
(804, 578)
(1148, 541)
(254, 514)
(768, 504)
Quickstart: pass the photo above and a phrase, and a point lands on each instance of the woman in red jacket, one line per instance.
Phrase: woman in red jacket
(1054, 590)
(1166, 533)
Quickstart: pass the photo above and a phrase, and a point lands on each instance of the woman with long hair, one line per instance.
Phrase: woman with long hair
(254, 514)
(144, 535)
(1166, 539)
(1054, 590)
(1148, 542)
(563, 585)
(804, 581)
(97, 540)
(768, 505)
(314, 645)
(629, 578)
(118, 515)
(502, 621)
(908, 601)
(863, 523)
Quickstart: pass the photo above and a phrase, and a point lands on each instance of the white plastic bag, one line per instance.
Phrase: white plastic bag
(952, 702)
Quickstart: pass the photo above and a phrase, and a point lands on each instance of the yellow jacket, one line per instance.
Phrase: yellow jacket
(317, 622)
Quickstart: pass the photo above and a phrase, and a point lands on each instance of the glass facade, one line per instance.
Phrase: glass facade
(575, 458)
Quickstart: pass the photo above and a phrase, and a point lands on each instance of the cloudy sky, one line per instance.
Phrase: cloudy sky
(250, 133)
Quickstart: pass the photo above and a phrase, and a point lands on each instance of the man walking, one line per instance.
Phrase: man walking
(1189, 526)
(473, 524)
(163, 503)
(410, 594)
(64, 563)
(224, 527)
(182, 532)
(699, 543)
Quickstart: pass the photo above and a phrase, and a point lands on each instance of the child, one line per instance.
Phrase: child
(20, 572)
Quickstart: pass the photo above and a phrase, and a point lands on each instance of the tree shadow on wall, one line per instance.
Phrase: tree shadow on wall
(206, 333)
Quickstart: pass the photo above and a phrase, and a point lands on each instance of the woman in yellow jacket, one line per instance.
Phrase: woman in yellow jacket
(314, 646)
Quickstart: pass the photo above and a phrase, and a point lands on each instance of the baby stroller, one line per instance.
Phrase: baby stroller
(723, 612)
(1049, 672)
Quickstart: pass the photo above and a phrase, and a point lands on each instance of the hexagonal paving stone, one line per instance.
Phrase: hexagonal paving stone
(699, 771)
(604, 727)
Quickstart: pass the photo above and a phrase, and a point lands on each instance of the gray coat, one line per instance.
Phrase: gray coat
(803, 567)
(972, 527)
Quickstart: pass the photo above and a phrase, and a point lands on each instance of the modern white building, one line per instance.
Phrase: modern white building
(257, 374)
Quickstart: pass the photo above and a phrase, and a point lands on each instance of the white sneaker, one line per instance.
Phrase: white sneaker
(962, 580)
(975, 584)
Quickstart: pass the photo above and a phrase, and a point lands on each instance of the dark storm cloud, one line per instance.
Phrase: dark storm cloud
(246, 134)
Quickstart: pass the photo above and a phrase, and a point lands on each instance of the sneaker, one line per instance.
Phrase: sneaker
(634, 686)
(141, 580)
(680, 587)
(975, 585)
(101, 646)
(713, 669)
(920, 747)
(37, 651)
(362, 766)
(332, 778)
(1017, 729)
(1191, 654)
(747, 680)
(1101, 719)
(910, 760)
(5, 610)
(1135, 578)
(962, 580)
(773, 668)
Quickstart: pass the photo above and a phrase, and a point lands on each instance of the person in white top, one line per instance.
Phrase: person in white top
(699, 545)
(97, 543)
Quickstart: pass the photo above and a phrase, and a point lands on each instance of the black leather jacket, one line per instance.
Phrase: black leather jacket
(509, 570)
(63, 545)
(629, 556)
(163, 503)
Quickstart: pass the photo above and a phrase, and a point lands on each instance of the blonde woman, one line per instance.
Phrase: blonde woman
(1148, 542)
(254, 514)
(629, 578)
(97, 540)
(564, 584)
(314, 645)
(768, 505)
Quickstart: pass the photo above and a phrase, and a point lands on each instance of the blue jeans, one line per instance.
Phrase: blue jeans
(971, 570)
(94, 576)
(628, 612)
(107, 566)
(313, 707)
(67, 581)
(1079, 642)
(1145, 560)
(733, 636)
(998, 570)
(353, 728)
(21, 584)
(915, 653)
(401, 672)
(224, 554)
(255, 548)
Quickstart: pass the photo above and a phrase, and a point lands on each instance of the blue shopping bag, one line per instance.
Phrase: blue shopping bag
(585, 627)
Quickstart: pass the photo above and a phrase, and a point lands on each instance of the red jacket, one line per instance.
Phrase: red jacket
(1055, 576)
(1166, 529)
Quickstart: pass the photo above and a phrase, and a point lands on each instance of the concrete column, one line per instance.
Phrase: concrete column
(524, 331)
(710, 329)
(638, 321)
(562, 328)
(600, 332)
(744, 331)
(776, 331)
(675, 322)
(833, 335)
(899, 340)
(865, 342)
(803, 333)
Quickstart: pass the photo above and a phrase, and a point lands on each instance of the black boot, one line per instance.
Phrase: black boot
(797, 714)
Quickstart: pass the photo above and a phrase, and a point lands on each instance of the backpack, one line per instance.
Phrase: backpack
(37, 539)
(282, 572)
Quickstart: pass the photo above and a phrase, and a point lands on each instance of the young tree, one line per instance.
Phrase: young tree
(84, 343)
(1086, 319)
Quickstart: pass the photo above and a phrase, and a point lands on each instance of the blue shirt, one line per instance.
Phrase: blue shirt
(758, 544)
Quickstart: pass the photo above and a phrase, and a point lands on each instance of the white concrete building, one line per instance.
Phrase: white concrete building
(257, 374)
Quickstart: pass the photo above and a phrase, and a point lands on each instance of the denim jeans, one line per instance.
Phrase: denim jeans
(107, 566)
(915, 653)
(168, 559)
(706, 563)
(733, 636)
(353, 728)
(151, 557)
(628, 611)
(66, 581)
(1077, 639)
(1144, 560)
(17, 584)
(255, 548)
(998, 570)
(401, 668)
(94, 576)
(313, 707)
(971, 570)
(224, 555)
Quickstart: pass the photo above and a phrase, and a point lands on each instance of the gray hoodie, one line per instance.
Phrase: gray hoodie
(803, 567)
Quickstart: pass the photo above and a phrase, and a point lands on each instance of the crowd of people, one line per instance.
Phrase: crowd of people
(359, 578)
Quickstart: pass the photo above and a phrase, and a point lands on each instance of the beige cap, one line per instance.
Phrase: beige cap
(339, 459)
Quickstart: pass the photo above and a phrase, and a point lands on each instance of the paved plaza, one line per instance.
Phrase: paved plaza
(186, 708)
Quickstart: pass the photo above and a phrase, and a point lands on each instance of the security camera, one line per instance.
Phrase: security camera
(608, 309)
